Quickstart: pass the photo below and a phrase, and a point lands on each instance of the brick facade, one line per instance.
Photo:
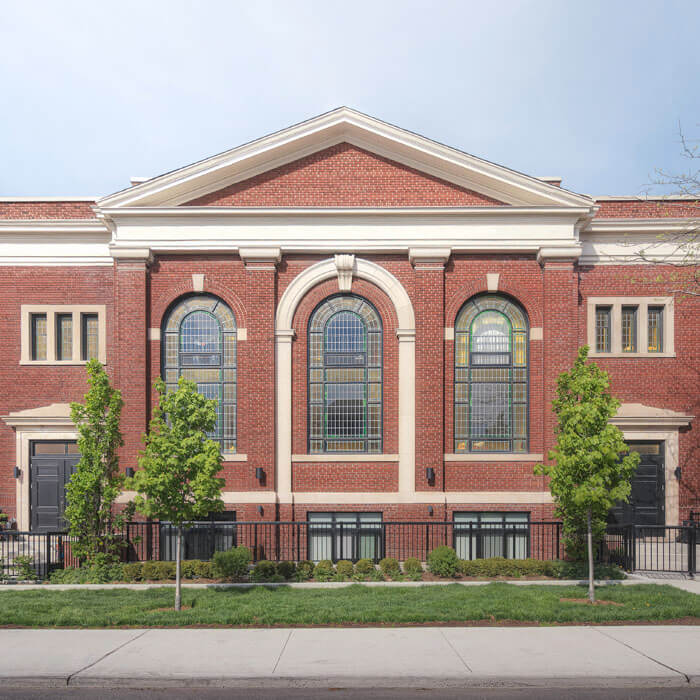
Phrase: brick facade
(137, 294)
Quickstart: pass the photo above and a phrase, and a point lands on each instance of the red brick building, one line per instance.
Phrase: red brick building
(382, 319)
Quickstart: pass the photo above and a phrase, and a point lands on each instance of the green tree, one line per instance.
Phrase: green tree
(96, 483)
(177, 477)
(588, 475)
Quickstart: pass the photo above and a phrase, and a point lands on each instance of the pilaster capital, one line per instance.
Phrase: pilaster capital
(406, 335)
(558, 254)
(285, 335)
(260, 258)
(131, 255)
(429, 258)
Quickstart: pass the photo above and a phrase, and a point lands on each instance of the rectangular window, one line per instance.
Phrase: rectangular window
(351, 536)
(38, 337)
(602, 329)
(629, 329)
(655, 329)
(90, 335)
(64, 337)
(492, 534)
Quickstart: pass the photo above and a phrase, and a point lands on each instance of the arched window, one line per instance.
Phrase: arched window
(491, 376)
(199, 344)
(345, 376)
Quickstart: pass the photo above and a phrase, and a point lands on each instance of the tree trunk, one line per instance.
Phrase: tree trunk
(591, 588)
(177, 568)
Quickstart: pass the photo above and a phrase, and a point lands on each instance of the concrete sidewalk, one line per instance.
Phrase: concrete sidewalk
(633, 656)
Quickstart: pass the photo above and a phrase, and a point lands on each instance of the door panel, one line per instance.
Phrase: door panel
(52, 465)
(647, 499)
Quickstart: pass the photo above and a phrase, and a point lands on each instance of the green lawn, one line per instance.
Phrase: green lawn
(355, 604)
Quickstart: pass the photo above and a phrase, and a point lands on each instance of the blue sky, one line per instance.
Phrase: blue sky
(92, 93)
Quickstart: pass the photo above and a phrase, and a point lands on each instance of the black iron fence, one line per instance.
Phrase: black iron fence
(659, 549)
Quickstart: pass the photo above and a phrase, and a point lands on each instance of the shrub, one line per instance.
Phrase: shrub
(390, 567)
(149, 570)
(364, 567)
(188, 568)
(324, 570)
(305, 570)
(132, 572)
(264, 571)
(345, 569)
(232, 564)
(412, 567)
(286, 569)
(202, 569)
(442, 561)
(89, 574)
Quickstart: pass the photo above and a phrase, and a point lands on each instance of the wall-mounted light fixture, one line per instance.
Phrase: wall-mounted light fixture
(17, 472)
(260, 510)
(129, 472)
(677, 473)
(259, 474)
(430, 510)
(430, 474)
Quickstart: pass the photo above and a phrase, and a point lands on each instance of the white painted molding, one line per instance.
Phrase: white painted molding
(650, 417)
(154, 334)
(449, 333)
(234, 457)
(493, 457)
(284, 334)
(350, 457)
(241, 334)
(536, 333)
(344, 265)
(416, 497)
(492, 281)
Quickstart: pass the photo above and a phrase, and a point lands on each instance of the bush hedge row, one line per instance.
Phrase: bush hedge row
(234, 565)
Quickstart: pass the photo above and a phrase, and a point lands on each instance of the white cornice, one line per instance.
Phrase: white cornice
(337, 126)
(659, 225)
(203, 213)
(52, 226)
(48, 199)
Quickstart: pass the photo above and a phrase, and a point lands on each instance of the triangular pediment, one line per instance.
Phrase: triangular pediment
(344, 176)
(329, 152)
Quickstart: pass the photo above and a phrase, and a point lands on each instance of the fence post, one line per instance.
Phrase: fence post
(48, 554)
(634, 548)
(692, 537)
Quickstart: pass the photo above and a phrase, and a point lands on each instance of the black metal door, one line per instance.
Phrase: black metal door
(647, 499)
(52, 464)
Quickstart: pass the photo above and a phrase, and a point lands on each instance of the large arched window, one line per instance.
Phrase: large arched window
(199, 344)
(491, 376)
(345, 376)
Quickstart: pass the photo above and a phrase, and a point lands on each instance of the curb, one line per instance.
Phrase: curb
(340, 682)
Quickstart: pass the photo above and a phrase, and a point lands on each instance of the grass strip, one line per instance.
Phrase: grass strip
(351, 605)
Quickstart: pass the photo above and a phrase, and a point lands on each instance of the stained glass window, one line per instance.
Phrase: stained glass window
(199, 344)
(655, 329)
(602, 328)
(491, 376)
(38, 337)
(629, 329)
(64, 336)
(345, 376)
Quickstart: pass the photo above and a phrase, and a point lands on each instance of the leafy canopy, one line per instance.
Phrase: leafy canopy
(587, 473)
(96, 483)
(177, 477)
